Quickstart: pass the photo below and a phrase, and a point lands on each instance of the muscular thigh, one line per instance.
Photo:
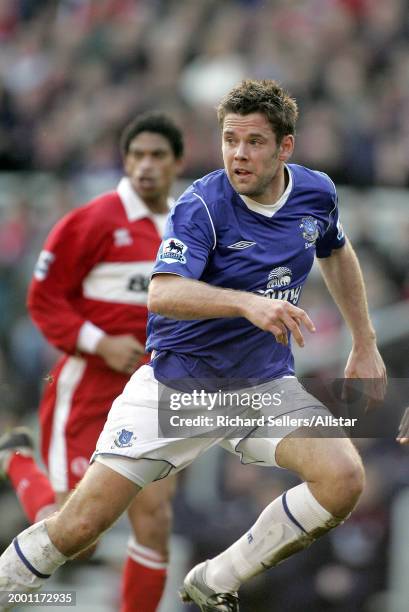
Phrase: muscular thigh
(311, 457)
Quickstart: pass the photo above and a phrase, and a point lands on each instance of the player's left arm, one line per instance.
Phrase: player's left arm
(343, 277)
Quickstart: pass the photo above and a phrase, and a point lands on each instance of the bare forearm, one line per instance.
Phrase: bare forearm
(186, 299)
(343, 277)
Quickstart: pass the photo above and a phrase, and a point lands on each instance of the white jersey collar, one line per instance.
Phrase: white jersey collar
(269, 210)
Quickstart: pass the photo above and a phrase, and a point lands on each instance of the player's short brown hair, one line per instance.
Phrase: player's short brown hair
(266, 97)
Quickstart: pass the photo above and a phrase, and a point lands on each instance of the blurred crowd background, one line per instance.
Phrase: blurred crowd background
(72, 74)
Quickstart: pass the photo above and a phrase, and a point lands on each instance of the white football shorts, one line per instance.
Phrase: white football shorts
(130, 442)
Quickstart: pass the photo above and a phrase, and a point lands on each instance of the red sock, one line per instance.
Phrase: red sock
(31, 486)
(143, 585)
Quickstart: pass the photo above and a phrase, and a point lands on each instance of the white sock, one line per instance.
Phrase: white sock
(29, 560)
(145, 556)
(289, 524)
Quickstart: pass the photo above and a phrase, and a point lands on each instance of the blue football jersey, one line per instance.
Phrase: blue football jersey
(212, 235)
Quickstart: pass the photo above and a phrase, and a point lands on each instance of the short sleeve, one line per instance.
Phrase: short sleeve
(189, 238)
(334, 236)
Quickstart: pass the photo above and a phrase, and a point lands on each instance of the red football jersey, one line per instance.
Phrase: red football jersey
(95, 266)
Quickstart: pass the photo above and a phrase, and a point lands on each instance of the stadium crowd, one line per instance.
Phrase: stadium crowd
(73, 72)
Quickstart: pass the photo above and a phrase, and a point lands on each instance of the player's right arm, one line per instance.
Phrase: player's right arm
(181, 298)
(72, 248)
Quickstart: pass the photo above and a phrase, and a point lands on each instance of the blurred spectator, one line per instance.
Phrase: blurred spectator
(72, 72)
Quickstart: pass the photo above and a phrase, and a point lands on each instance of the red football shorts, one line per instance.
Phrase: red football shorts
(73, 410)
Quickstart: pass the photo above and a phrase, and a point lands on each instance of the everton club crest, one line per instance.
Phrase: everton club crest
(310, 232)
(124, 438)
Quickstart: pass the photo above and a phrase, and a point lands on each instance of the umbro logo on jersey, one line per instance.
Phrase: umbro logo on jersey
(241, 244)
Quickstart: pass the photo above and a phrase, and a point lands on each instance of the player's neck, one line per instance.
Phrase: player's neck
(157, 206)
(276, 189)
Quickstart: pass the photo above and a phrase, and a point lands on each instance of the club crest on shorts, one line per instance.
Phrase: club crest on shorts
(172, 250)
(310, 232)
(124, 438)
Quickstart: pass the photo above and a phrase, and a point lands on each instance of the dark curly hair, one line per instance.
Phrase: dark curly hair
(158, 123)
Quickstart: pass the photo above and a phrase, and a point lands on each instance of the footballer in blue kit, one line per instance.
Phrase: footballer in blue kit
(224, 302)
(227, 240)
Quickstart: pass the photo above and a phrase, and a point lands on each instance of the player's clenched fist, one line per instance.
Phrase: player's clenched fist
(403, 435)
(121, 353)
(277, 317)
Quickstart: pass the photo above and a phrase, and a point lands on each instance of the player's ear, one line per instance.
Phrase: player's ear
(286, 147)
(127, 164)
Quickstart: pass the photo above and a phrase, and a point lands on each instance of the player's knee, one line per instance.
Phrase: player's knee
(160, 519)
(346, 479)
(164, 513)
(152, 528)
(90, 527)
(86, 530)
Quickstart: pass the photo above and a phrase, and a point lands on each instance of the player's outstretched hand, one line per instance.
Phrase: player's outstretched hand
(121, 353)
(403, 434)
(278, 317)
